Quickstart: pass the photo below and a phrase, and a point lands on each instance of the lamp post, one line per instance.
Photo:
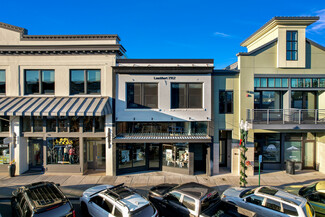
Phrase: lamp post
(244, 127)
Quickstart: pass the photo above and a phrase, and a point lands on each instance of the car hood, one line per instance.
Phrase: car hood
(233, 192)
(293, 189)
(95, 189)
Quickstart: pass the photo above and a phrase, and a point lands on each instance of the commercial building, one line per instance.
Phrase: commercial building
(278, 87)
(56, 100)
(163, 115)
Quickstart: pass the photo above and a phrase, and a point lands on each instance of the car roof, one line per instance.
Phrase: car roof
(43, 194)
(278, 194)
(126, 197)
(193, 189)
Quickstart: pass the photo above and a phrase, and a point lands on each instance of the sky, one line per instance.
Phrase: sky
(164, 29)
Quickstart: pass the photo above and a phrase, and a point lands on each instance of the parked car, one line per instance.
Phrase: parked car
(119, 201)
(190, 199)
(315, 194)
(41, 199)
(269, 202)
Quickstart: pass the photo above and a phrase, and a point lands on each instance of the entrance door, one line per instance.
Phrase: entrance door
(199, 157)
(35, 154)
(154, 156)
(309, 155)
(96, 155)
(223, 153)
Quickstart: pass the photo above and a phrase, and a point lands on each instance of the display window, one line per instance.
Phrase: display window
(175, 155)
(131, 155)
(62, 151)
(4, 153)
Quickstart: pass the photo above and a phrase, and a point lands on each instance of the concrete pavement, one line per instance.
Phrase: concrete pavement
(74, 185)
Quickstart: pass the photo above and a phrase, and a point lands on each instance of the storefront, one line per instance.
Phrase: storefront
(277, 148)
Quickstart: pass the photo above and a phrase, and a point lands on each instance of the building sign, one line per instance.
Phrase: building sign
(164, 78)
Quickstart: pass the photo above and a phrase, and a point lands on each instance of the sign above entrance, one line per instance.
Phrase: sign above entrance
(164, 78)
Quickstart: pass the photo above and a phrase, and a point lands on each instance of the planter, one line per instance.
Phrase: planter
(12, 170)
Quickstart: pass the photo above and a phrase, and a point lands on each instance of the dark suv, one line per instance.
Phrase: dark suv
(41, 199)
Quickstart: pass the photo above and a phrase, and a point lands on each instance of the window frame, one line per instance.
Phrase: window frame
(40, 82)
(225, 103)
(4, 71)
(85, 71)
(187, 95)
(142, 95)
(291, 42)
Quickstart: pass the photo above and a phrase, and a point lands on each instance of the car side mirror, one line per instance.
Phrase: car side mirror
(245, 201)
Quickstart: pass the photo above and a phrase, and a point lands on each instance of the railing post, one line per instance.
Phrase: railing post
(299, 116)
(316, 114)
(267, 116)
(283, 116)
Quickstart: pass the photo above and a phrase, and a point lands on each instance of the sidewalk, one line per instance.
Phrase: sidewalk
(74, 185)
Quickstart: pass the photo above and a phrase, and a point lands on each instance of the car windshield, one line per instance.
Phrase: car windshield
(309, 211)
(143, 211)
(307, 190)
(209, 201)
(247, 192)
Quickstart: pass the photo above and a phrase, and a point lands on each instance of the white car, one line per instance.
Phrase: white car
(118, 201)
(268, 202)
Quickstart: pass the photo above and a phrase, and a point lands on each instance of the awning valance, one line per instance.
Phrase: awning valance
(54, 106)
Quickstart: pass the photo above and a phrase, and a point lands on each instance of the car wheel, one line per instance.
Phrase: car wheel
(84, 210)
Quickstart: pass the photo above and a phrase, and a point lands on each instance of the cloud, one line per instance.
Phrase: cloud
(320, 24)
(221, 34)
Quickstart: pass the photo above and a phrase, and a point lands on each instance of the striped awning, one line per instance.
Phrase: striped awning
(54, 106)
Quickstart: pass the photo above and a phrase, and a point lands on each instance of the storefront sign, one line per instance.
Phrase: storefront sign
(4, 145)
(164, 78)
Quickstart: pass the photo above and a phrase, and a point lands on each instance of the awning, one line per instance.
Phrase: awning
(54, 106)
(162, 139)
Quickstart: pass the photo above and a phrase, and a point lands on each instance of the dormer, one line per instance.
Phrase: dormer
(290, 34)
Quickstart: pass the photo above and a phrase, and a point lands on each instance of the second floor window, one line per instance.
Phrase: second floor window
(186, 95)
(292, 45)
(2, 81)
(85, 81)
(142, 95)
(39, 81)
(225, 102)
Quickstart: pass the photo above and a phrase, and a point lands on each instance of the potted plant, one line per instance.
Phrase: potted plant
(12, 168)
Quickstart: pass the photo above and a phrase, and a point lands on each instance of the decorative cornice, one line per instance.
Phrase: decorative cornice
(14, 28)
(70, 37)
(60, 49)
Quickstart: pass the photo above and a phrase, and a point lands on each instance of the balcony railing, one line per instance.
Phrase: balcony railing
(286, 116)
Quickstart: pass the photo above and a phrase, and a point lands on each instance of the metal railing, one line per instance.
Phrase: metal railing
(286, 116)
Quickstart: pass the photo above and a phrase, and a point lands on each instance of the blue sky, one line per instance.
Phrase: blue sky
(163, 29)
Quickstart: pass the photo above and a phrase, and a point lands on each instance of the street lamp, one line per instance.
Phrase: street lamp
(244, 127)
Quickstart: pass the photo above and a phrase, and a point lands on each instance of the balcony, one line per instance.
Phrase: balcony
(286, 118)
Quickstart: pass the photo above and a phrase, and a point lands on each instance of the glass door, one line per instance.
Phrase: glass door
(100, 155)
(223, 153)
(154, 156)
(35, 153)
(309, 155)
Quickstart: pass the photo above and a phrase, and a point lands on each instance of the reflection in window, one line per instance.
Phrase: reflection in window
(27, 123)
(292, 45)
(51, 124)
(39, 82)
(278, 82)
(131, 155)
(63, 124)
(292, 150)
(257, 82)
(62, 151)
(270, 145)
(175, 155)
(100, 124)
(4, 124)
(263, 82)
(2, 81)
(225, 102)
(88, 124)
(38, 124)
(74, 124)
(186, 95)
(271, 82)
(4, 153)
(85, 81)
(142, 95)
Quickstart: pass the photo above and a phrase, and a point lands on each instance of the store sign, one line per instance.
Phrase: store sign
(164, 78)
(4, 145)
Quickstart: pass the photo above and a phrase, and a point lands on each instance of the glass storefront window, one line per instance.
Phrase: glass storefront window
(271, 82)
(284, 82)
(263, 82)
(63, 124)
(4, 153)
(4, 125)
(292, 150)
(124, 156)
(74, 124)
(100, 124)
(51, 124)
(278, 82)
(88, 124)
(62, 150)
(271, 150)
(26, 124)
(257, 82)
(175, 155)
(139, 155)
(38, 124)
(315, 82)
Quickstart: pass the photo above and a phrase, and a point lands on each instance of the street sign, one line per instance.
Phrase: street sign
(7, 140)
(260, 158)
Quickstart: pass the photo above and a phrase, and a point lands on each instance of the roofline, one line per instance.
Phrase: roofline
(309, 20)
(315, 44)
(257, 49)
(25, 36)
(222, 72)
(166, 61)
(161, 70)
